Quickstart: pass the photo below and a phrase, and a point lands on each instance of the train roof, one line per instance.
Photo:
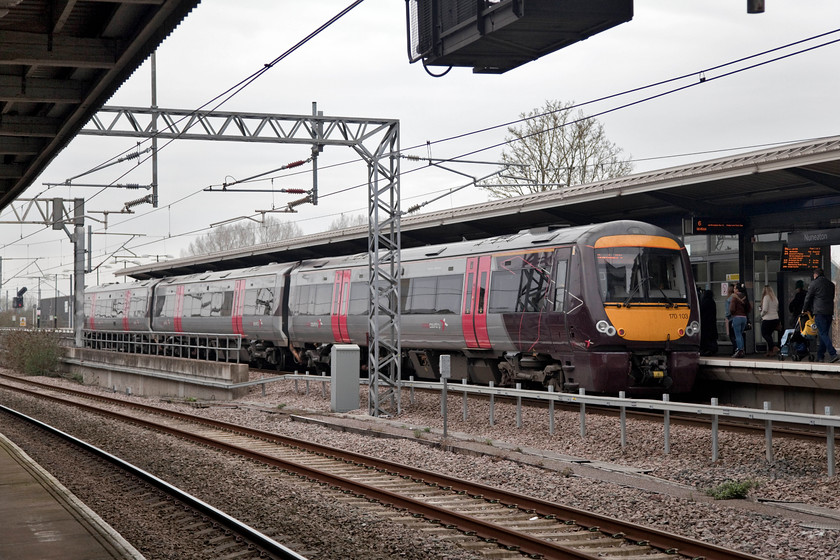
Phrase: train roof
(525, 239)
(211, 276)
(123, 286)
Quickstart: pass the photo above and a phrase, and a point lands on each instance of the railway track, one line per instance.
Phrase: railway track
(490, 519)
(211, 532)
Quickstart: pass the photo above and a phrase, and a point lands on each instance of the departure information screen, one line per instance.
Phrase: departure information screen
(801, 258)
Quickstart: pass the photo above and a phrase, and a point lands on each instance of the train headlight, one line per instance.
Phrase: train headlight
(605, 328)
(693, 328)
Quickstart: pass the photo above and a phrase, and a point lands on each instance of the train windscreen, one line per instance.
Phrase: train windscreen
(641, 275)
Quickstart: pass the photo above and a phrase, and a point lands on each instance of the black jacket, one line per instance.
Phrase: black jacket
(795, 305)
(820, 297)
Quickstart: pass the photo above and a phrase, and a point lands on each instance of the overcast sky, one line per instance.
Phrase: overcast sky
(359, 67)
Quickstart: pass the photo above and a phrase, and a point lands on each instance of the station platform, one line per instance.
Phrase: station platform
(41, 520)
(793, 386)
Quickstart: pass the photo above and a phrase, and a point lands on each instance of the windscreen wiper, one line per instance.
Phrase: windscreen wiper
(670, 303)
(634, 290)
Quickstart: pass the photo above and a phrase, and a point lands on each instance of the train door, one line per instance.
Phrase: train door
(476, 290)
(178, 319)
(238, 306)
(90, 316)
(559, 304)
(126, 310)
(340, 303)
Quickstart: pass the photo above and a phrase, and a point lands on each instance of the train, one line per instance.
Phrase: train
(605, 307)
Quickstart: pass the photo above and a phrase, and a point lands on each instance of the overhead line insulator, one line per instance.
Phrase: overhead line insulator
(299, 201)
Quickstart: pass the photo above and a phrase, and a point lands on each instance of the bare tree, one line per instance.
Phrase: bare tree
(242, 234)
(553, 149)
(347, 220)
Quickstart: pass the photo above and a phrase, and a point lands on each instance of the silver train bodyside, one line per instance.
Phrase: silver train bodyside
(538, 307)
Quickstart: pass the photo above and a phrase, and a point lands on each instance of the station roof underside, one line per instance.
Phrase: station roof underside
(59, 63)
(794, 187)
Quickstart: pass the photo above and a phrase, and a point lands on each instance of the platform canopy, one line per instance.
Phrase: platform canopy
(60, 61)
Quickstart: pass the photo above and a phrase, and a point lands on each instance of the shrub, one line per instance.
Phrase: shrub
(32, 352)
(732, 490)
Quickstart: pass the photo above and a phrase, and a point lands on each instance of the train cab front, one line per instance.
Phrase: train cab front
(649, 327)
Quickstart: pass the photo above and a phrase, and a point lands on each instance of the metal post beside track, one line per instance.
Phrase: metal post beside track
(582, 414)
(445, 372)
(714, 432)
(551, 412)
(623, 420)
(830, 444)
(768, 435)
(492, 406)
(667, 413)
(518, 406)
(464, 383)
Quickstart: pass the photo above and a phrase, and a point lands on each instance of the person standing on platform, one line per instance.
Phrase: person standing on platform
(708, 324)
(769, 319)
(730, 332)
(820, 301)
(795, 305)
(739, 309)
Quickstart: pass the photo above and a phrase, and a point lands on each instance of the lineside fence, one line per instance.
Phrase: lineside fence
(713, 411)
(196, 346)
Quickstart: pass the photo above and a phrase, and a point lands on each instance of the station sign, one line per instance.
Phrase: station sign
(821, 237)
(801, 258)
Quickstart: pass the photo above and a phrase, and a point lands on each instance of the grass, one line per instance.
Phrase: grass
(32, 352)
(732, 490)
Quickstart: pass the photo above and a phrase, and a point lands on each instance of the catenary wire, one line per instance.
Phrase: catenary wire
(242, 84)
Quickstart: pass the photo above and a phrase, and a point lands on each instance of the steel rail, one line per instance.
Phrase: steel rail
(248, 533)
(653, 537)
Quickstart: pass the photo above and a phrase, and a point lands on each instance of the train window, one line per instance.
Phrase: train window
(522, 284)
(629, 275)
(259, 301)
(448, 300)
(118, 306)
(265, 301)
(504, 285)
(421, 295)
(323, 299)
(193, 305)
(432, 295)
(138, 305)
(482, 296)
(302, 302)
(534, 284)
(468, 298)
(560, 286)
(358, 299)
(227, 303)
(206, 304)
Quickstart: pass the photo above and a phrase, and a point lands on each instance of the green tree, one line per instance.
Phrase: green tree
(553, 149)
